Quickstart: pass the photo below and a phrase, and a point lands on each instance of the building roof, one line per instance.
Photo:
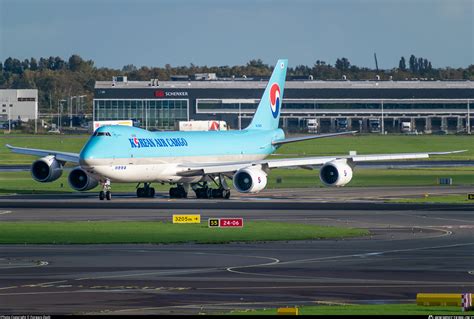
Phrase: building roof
(242, 84)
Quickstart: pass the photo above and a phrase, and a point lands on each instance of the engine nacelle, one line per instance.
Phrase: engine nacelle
(250, 180)
(46, 169)
(335, 173)
(80, 181)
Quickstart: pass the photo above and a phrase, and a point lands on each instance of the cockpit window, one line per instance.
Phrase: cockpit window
(101, 134)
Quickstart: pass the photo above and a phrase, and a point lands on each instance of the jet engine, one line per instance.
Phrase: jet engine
(80, 181)
(335, 173)
(250, 180)
(46, 169)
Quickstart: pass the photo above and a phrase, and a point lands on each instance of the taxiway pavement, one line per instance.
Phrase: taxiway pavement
(410, 250)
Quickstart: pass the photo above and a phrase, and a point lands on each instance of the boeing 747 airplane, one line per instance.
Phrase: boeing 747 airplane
(196, 160)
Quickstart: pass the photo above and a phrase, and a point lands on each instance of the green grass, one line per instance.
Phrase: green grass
(386, 309)
(376, 144)
(106, 232)
(448, 199)
(363, 144)
(65, 143)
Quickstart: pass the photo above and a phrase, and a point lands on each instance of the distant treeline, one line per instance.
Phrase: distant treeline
(56, 78)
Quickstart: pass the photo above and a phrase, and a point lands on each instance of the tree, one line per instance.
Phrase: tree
(413, 64)
(8, 65)
(25, 64)
(33, 64)
(402, 64)
(75, 63)
(342, 64)
(59, 64)
(43, 64)
(129, 68)
(256, 63)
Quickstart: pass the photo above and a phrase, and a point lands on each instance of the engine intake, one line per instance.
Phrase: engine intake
(250, 180)
(335, 173)
(80, 181)
(46, 169)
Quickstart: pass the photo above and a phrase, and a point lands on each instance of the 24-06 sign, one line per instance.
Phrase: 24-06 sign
(226, 222)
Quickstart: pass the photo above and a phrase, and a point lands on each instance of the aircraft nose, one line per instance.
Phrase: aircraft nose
(86, 156)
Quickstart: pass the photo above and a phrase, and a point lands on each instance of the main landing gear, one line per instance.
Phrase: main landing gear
(105, 193)
(145, 191)
(203, 190)
(179, 192)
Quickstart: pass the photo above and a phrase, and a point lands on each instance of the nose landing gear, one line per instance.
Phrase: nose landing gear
(105, 193)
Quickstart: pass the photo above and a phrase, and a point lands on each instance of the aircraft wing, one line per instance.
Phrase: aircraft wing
(310, 137)
(60, 156)
(191, 169)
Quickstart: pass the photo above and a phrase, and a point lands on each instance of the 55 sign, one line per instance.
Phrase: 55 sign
(226, 222)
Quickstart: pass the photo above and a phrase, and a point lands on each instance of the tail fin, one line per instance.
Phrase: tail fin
(267, 115)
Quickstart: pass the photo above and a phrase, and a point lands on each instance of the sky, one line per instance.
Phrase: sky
(115, 33)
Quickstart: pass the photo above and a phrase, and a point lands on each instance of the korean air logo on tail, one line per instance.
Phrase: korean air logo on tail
(275, 99)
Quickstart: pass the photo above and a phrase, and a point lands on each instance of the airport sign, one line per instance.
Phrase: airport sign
(187, 219)
(213, 222)
(231, 222)
(225, 222)
(470, 196)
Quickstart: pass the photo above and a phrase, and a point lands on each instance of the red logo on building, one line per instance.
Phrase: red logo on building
(160, 93)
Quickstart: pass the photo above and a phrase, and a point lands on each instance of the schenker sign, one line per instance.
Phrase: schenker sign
(163, 94)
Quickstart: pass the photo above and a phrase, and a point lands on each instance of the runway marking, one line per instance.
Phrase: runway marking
(35, 285)
(247, 288)
(311, 260)
(4, 212)
(13, 266)
(381, 252)
(172, 272)
(11, 287)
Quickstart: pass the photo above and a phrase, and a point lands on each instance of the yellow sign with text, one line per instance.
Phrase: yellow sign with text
(186, 219)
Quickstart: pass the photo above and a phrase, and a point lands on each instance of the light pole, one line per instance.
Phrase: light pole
(9, 117)
(240, 119)
(468, 122)
(383, 126)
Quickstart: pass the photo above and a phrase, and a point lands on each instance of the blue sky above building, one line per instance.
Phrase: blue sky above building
(114, 33)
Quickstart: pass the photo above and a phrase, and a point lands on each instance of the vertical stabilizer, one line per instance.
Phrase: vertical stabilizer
(267, 115)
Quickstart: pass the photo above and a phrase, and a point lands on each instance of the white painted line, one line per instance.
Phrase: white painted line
(4, 212)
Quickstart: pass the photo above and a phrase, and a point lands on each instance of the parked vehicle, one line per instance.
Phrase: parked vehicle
(202, 126)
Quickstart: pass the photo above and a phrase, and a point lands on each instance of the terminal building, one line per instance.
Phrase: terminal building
(429, 106)
(18, 105)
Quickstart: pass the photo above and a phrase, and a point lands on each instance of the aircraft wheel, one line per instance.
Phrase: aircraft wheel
(150, 192)
(216, 193)
(101, 195)
(226, 193)
(140, 192)
(198, 192)
(173, 192)
(108, 195)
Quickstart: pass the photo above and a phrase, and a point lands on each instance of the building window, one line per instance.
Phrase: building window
(26, 99)
(152, 114)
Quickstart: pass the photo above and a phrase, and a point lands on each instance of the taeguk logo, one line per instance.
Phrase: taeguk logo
(275, 99)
